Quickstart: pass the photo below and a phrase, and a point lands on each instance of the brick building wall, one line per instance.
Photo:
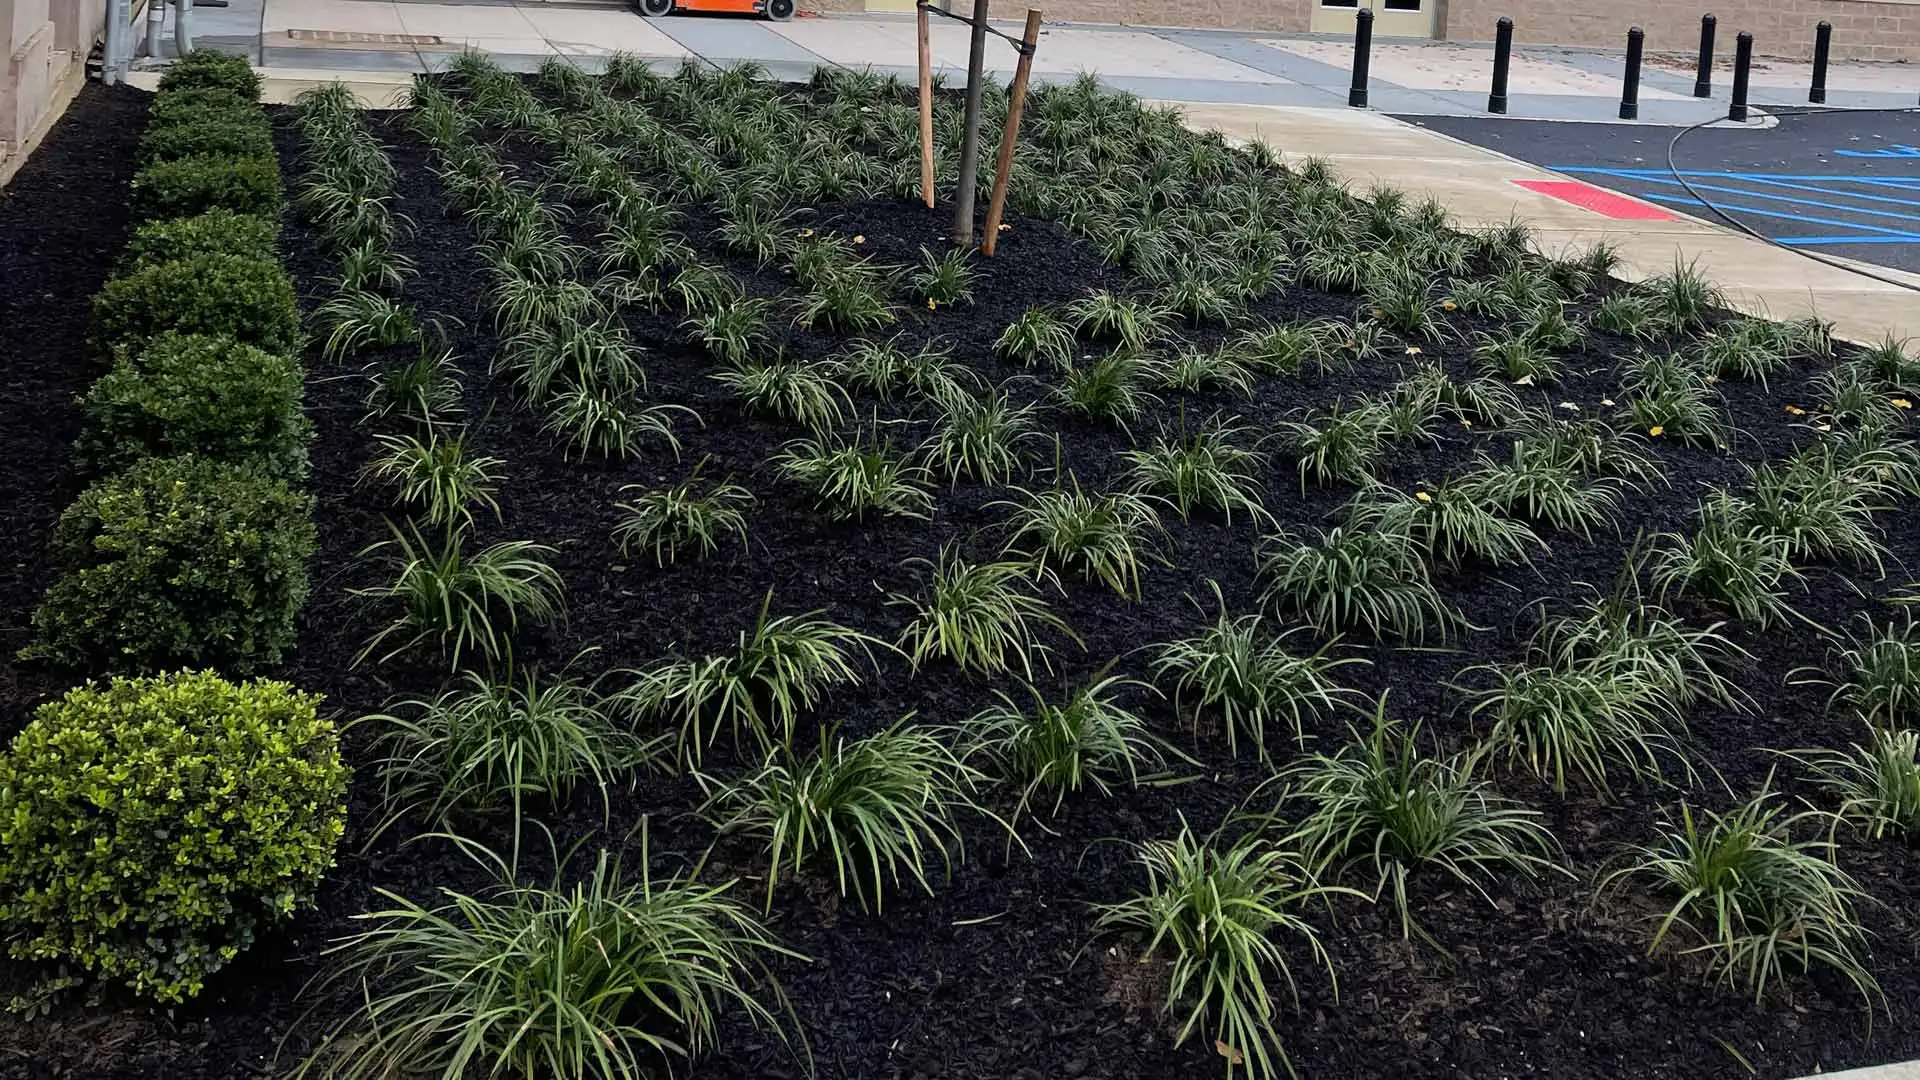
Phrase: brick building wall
(1290, 16)
(1862, 29)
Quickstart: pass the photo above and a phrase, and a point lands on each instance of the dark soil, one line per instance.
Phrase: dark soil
(997, 975)
(63, 221)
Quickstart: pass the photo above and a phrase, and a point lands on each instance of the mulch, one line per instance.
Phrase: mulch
(997, 974)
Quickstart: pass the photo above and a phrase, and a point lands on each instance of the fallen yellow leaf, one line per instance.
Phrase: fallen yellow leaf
(859, 239)
(1656, 431)
(1795, 410)
(1423, 496)
(1448, 305)
(930, 304)
(1902, 403)
(1233, 1056)
(1413, 350)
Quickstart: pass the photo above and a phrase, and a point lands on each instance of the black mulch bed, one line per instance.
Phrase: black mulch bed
(996, 976)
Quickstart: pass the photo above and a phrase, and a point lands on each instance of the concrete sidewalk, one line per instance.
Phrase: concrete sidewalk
(1418, 78)
(1482, 187)
(1288, 92)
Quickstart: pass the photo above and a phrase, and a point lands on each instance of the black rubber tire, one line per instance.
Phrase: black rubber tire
(654, 9)
(779, 10)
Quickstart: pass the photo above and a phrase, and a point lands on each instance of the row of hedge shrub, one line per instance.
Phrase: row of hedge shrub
(190, 549)
(150, 826)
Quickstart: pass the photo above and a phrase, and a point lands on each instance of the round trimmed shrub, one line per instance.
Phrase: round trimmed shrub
(149, 828)
(206, 68)
(216, 232)
(184, 104)
(194, 185)
(249, 300)
(178, 562)
(232, 133)
(192, 394)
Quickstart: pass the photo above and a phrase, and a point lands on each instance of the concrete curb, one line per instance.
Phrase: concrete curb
(1901, 1070)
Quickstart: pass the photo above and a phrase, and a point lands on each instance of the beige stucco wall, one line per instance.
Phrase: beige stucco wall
(42, 44)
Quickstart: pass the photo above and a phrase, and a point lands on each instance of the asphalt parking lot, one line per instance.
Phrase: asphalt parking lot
(1837, 182)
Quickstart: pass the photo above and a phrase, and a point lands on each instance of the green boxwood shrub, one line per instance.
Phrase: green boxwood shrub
(191, 394)
(206, 68)
(150, 827)
(234, 133)
(216, 232)
(178, 562)
(197, 101)
(249, 300)
(194, 185)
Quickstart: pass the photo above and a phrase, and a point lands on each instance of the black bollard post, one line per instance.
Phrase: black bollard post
(1362, 46)
(1703, 82)
(1502, 54)
(1822, 45)
(1630, 93)
(1742, 60)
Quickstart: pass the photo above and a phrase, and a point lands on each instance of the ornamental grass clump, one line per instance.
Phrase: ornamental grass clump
(1754, 890)
(1381, 805)
(464, 601)
(1219, 913)
(1374, 580)
(437, 476)
(1876, 785)
(693, 516)
(1251, 677)
(595, 975)
(1105, 537)
(989, 439)
(1209, 469)
(852, 477)
(985, 617)
(1092, 739)
(756, 692)
(492, 745)
(882, 810)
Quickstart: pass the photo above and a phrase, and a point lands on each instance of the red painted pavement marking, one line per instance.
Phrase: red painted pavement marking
(1598, 200)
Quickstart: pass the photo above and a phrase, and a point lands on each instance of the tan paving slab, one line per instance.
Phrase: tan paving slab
(1477, 186)
(858, 42)
(1443, 66)
(350, 16)
(1891, 78)
(491, 29)
(577, 31)
(280, 85)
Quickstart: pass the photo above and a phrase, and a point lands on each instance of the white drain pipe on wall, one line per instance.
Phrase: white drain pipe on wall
(119, 45)
(156, 19)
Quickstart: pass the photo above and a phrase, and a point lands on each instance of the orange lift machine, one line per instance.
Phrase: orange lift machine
(777, 10)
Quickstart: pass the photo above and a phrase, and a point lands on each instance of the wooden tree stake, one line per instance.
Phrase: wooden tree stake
(926, 107)
(1016, 100)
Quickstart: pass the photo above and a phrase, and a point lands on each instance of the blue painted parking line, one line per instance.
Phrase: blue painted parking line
(1852, 205)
